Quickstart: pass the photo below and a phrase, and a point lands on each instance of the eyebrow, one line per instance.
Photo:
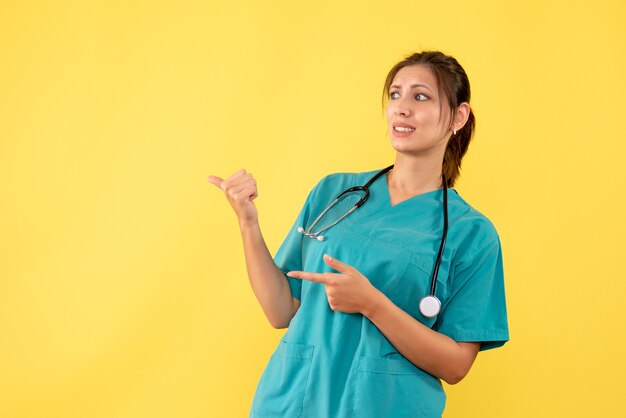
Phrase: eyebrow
(395, 86)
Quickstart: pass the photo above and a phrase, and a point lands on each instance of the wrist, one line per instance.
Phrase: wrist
(374, 304)
(248, 225)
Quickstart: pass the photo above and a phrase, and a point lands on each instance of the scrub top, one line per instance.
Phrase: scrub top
(335, 364)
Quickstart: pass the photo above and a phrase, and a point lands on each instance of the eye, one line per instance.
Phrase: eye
(394, 95)
(420, 97)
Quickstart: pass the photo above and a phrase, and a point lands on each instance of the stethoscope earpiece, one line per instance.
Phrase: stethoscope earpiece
(316, 236)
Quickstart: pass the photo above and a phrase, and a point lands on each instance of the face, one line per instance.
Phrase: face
(415, 122)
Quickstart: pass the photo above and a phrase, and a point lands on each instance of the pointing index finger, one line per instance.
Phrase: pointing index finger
(336, 264)
(311, 277)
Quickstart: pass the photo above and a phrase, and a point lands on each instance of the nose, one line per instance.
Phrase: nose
(402, 112)
(401, 108)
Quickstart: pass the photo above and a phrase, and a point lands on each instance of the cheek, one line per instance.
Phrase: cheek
(428, 112)
(430, 118)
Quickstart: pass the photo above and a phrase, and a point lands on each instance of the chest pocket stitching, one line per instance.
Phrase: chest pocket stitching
(370, 239)
(427, 268)
(415, 258)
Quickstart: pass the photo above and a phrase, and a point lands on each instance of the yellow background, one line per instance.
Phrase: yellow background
(123, 290)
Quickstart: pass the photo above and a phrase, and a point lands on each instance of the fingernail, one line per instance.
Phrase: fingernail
(329, 258)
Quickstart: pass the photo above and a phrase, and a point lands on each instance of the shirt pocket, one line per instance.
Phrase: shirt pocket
(416, 283)
(283, 384)
(402, 272)
(396, 388)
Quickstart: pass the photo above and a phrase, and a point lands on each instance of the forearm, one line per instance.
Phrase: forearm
(429, 350)
(268, 283)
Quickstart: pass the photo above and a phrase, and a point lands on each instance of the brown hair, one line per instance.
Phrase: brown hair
(453, 84)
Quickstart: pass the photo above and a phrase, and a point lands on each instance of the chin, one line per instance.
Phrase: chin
(403, 145)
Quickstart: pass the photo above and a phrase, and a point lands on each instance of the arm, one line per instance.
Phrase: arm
(429, 350)
(474, 311)
(350, 292)
(268, 283)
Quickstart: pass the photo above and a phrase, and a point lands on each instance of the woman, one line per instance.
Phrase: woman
(363, 338)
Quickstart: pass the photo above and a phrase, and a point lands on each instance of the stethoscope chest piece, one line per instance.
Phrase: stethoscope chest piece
(430, 306)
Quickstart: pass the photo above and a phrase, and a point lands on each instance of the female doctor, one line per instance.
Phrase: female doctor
(403, 291)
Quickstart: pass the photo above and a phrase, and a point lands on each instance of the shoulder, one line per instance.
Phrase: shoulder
(329, 186)
(340, 181)
(342, 178)
(474, 231)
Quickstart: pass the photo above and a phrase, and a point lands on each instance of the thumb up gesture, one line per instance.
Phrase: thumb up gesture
(240, 190)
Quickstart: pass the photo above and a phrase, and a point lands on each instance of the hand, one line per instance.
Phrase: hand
(240, 190)
(347, 291)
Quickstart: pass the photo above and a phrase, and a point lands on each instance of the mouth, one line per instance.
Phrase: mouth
(403, 127)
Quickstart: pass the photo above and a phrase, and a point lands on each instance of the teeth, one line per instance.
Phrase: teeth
(403, 129)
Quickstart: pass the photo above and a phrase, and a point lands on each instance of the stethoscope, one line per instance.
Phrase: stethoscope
(429, 305)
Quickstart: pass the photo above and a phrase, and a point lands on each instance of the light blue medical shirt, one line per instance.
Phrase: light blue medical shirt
(334, 364)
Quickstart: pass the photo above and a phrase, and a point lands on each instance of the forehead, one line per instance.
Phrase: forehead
(415, 74)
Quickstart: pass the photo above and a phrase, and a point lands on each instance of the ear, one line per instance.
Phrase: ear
(460, 116)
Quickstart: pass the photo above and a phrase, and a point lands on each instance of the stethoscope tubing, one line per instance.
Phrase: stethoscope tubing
(430, 304)
(444, 236)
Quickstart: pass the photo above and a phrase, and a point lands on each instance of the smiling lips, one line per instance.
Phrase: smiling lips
(403, 127)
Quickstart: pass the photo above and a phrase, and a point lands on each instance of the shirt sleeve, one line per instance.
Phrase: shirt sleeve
(289, 255)
(476, 308)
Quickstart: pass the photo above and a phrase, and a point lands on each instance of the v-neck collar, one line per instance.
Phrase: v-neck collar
(421, 212)
(436, 194)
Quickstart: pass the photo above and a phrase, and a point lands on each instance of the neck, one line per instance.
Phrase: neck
(414, 175)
